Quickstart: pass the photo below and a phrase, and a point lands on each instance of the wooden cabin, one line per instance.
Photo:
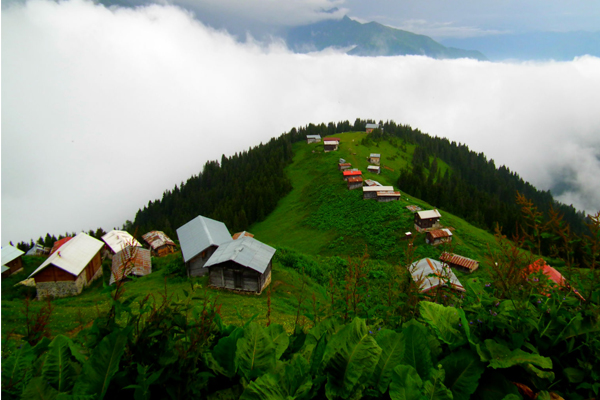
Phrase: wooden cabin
(12, 261)
(371, 127)
(375, 158)
(160, 243)
(344, 166)
(438, 236)
(38, 250)
(244, 264)
(370, 192)
(431, 274)
(131, 261)
(71, 268)
(374, 169)
(427, 220)
(384, 197)
(330, 144)
(459, 262)
(116, 241)
(313, 139)
(371, 182)
(351, 174)
(199, 239)
(355, 182)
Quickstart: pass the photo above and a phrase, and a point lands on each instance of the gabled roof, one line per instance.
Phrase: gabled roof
(332, 139)
(130, 261)
(422, 269)
(372, 126)
(378, 189)
(313, 136)
(246, 251)
(461, 261)
(429, 214)
(74, 255)
(240, 235)
(199, 234)
(37, 249)
(10, 253)
(376, 155)
(440, 233)
(118, 240)
(331, 142)
(371, 182)
(59, 243)
(157, 239)
(351, 173)
(376, 167)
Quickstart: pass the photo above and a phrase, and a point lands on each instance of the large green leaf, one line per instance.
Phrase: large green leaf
(102, 364)
(500, 356)
(223, 357)
(350, 357)
(416, 350)
(444, 321)
(58, 369)
(17, 369)
(435, 389)
(392, 352)
(294, 382)
(39, 389)
(405, 383)
(256, 352)
(463, 370)
(279, 337)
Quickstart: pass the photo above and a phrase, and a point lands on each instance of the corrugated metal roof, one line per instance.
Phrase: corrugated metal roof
(429, 214)
(199, 234)
(157, 239)
(10, 253)
(37, 249)
(341, 161)
(371, 182)
(344, 164)
(390, 194)
(459, 260)
(118, 240)
(355, 179)
(372, 126)
(130, 261)
(57, 245)
(376, 155)
(313, 136)
(246, 251)
(432, 273)
(334, 139)
(74, 255)
(378, 189)
(331, 142)
(440, 233)
(351, 173)
(240, 235)
(375, 167)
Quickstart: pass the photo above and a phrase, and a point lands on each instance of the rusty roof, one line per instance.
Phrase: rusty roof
(432, 273)
(461, 261)
(439, 233)
(345, 164)
(132, 260)
(371, 182)
(391, 194)
(355, 179)
(333, 139)
(59, 243)
(351, 173)
(157, 239)
(240, 235)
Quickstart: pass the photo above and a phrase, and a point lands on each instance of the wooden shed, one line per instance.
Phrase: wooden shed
(330, 144)
(375, 158)
(74, 266)
(384, 197)
(199, 239)
(371, 127)
(355, 182)
(160, 243)
(370, 192)
(427, 220)
(131, 261)
(431, 274)
(313, 138)
(351, 174)
(244, 264)
(375, 169)
(462, 263)
(344, 166)
(11, 260)
(438, 236)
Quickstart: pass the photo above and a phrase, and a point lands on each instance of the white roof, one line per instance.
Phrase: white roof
(313, 136)
(4, 268)
(74, 255)
(371, 182)
(330, 142)
(118, 240)
(373, 126)
(199, 234)
(429, 214)
(378, 188)
(375, 155)
(373, 167)
(10, 253)
(246, 251)
(433, 273)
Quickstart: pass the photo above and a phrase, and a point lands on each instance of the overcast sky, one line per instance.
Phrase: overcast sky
(104, 109)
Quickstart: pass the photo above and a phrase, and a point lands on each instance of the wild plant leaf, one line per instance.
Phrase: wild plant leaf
(444, 322)
(463, 370)
(405, 383)
(58, 369)
(280, 337)
(294, 382)
(500, 356)
(255, 352)
(223, 357)
(316, 357)
(17, 369)
(435, 389)
(41, 346)
(103, 364)
(539, 373)
(416, 350)
(574, 375)
(392, 352)
(39, 389)
(351, 356)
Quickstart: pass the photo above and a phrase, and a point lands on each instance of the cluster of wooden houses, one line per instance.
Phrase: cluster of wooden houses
(371, 188)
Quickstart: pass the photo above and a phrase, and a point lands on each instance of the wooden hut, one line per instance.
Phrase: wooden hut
(375, 158)
(38, 250)
(12, 261)
(384, 197)
(351, 174)
(370, 192)
(344, 166)
(243, 264)
(199, 239)
(74, 266)
(375, 169)
(330, 144)
(431, 274)
(355, 182)
(438, 236)
(160, 243)
(426, 220)
(313, 138)
(462, 263)
(371, 127)
(131, 261)
(116, 241)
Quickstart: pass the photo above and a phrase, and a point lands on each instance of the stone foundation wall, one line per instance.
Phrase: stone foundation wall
(64, 288)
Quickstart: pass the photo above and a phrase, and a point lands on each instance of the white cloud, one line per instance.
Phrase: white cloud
(105, 109)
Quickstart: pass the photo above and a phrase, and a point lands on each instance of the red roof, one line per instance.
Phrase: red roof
(355, 179)
(551, 273)
(352, 173)
(461, 261)
(345, 164)
(59, 243)
(332, 138)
